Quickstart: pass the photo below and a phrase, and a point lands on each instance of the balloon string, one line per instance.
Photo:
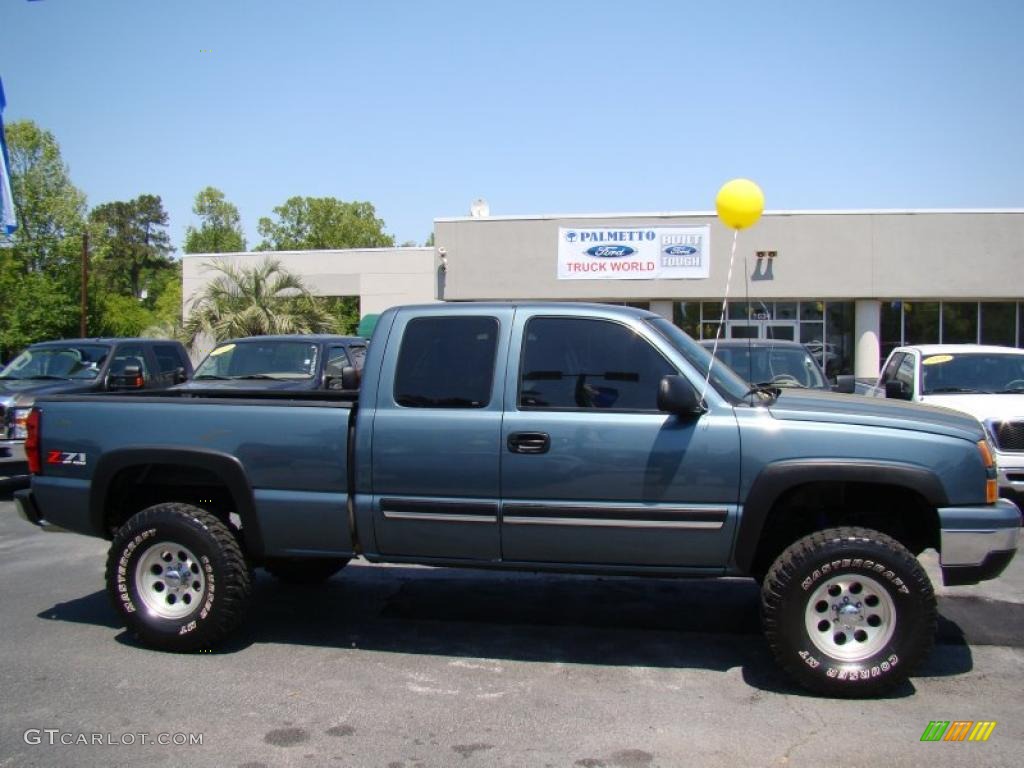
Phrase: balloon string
(721, 320)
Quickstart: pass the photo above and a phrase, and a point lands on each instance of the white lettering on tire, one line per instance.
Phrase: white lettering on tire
(122, 569)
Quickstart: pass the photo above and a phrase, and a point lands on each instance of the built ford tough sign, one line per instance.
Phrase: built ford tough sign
(564, 437)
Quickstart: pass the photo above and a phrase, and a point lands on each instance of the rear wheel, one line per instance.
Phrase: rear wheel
(305, 570)
(178, 577)
(848, 612)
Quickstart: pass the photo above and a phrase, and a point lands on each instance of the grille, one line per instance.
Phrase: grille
(1009, 435)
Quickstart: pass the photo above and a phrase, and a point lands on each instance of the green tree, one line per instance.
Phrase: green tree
(220, 230)
(252, 301)
(39, 285)
(133, 245)
(313, 223)
(345, 311)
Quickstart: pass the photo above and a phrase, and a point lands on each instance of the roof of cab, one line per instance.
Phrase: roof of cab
(312, 338)
(103, 340)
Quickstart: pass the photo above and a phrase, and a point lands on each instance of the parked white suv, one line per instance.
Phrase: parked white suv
(986, 382)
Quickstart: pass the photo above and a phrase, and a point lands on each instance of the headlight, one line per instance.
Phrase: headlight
(20, 423)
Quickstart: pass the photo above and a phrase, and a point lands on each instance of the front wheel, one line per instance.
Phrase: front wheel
(178, 577)
(848, 612)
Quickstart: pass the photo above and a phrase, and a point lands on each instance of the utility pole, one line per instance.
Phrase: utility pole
(85, 284)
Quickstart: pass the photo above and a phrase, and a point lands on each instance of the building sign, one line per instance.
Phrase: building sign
(641, 253)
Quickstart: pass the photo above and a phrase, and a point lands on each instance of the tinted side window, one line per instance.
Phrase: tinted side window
(167, 358)
(577, 363)
(905, 372)
(446, 362)
(889, 374)
(358, 355)
(336, 361)
(129, 355)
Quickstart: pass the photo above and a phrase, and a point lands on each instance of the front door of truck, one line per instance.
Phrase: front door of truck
(592, 472)
(436, 436)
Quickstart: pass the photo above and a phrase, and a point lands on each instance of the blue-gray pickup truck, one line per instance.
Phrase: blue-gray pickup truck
(560, 437)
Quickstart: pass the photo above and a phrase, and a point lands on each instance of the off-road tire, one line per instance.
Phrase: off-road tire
(177, 576)
(305, 570)
(848, 612)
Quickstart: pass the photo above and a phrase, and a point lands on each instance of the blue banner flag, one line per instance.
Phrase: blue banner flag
(7, 221)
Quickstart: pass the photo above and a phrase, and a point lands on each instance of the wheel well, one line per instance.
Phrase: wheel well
(899, 512)
(135, 488)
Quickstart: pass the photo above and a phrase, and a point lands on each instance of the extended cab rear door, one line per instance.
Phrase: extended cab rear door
(436, 440)
(591, 471)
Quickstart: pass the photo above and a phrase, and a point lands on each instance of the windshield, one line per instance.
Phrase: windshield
(971, 373)
(778, 366)
(260, 360)
(75, 361)
(723, 379)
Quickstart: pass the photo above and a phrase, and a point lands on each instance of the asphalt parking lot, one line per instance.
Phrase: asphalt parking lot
(401, 667)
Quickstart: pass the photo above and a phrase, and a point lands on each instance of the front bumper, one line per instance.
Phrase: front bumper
(29, 511)
(977, 543)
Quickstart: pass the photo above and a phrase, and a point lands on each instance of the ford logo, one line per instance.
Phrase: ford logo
(610, 251)
(680, 250)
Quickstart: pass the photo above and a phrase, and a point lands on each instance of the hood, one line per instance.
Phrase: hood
(808, 405)
(25, 391)
(246, 385)
(982, 407)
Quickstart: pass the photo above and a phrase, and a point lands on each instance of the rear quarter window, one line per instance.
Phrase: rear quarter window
(447, 362)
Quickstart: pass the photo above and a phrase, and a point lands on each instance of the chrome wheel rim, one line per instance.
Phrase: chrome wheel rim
(850, 617)
(170, 580)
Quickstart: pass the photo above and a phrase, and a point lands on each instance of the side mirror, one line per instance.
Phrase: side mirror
(129, 377)
(349, 379)
(897, 390)
(180, 377)
(677, 396)
(846, 384)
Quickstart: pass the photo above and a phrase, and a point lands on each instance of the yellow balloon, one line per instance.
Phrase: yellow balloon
(739, 203)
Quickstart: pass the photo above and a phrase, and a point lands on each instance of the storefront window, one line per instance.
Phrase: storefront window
(839, 346)
(686, 315)
(890, 328)
(740, 310)
(785, 310)
(999, 323)
(921, 322)
(960, 322)
(812, 310)
(711, 311)
(709, 330)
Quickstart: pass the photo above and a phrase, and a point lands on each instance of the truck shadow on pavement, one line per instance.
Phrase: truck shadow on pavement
(703, 624)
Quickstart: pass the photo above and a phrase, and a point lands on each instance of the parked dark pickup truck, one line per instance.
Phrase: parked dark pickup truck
(291, 362)
(84, 365)
(563, 437)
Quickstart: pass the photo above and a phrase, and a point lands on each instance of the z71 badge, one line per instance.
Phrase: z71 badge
(64, 457)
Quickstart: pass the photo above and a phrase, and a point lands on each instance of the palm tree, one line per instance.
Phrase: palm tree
(255, 300)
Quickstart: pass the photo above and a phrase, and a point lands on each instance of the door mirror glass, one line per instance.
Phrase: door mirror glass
(846, 384)
(677, 396)
(349, 379)
(897, 390)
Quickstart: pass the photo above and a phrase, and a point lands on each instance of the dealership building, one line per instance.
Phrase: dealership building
(852, 285)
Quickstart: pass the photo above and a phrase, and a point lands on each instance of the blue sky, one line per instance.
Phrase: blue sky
(539, 107)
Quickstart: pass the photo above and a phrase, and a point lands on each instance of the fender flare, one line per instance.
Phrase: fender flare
(779, 477)
(226, 467)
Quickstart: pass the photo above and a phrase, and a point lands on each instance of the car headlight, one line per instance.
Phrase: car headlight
(20, 431)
